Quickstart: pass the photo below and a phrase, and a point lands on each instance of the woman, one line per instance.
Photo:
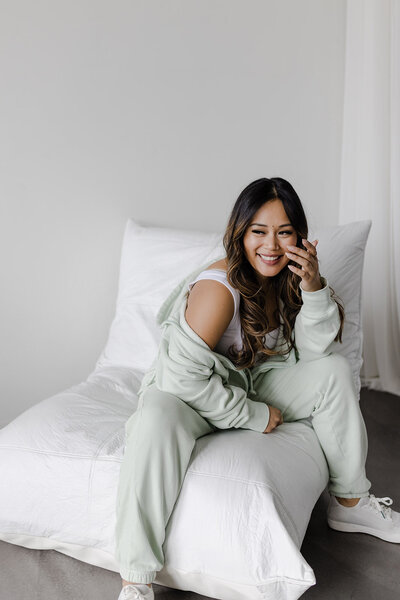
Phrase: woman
(267, 288)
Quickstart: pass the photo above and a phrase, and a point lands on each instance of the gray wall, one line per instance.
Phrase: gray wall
(161, 110)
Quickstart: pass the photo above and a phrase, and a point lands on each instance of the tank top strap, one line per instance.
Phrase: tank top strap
(218, 275)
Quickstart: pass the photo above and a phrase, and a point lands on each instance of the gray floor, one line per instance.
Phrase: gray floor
(346, 565)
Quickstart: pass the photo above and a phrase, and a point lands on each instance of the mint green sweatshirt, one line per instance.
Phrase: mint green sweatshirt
(209, 382)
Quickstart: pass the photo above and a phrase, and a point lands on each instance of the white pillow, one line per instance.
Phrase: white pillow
(154, 260)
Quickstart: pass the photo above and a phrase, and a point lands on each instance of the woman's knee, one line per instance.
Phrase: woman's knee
(336, 370)
(162, 410)
(163, 406)
(334, 364)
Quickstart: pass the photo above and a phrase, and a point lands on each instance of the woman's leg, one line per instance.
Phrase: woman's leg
(160, 437)
(324, 389)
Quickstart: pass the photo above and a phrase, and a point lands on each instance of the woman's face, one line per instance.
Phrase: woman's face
(268, 235)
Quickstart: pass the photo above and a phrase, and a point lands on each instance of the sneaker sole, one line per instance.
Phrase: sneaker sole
(350, 528)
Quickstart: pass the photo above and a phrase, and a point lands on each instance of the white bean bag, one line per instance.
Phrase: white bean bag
(244, 507)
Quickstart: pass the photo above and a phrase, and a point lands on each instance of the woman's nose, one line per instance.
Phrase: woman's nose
(271, 242)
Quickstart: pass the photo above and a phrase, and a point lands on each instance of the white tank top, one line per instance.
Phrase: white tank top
(233, 333)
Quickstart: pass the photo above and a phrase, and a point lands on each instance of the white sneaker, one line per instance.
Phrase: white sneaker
(370, 515)
(141, 591)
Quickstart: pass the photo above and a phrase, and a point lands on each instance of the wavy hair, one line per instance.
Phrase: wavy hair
(285, 285)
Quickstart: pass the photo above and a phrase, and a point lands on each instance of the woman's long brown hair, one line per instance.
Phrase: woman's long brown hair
(241, 275)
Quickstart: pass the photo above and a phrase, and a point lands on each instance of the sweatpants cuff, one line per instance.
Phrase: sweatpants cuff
(354, 495)
(138, 577)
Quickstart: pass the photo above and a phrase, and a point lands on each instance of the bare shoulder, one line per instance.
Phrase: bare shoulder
(220, 264)
(209, 310)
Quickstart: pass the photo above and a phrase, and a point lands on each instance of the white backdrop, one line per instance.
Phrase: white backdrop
(161, 111)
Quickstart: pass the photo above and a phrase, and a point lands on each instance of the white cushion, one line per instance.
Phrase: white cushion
(154, 260)
(236, 528)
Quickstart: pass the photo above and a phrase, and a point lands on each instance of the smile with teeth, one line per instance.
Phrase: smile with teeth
(271, 260)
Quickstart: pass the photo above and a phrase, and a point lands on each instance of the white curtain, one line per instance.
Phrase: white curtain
(370, 177)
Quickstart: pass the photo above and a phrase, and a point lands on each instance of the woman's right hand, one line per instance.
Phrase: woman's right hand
(275, 418)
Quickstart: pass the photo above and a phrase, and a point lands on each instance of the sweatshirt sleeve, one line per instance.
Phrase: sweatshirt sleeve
(317, 323)
(195, 374)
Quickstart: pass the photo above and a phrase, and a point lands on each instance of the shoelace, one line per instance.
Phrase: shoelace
(376, 503)
(136, 594)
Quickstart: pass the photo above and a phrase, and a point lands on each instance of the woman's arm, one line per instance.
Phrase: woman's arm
(317, 324)
(209, 310)
(318, 321)
(187, 366)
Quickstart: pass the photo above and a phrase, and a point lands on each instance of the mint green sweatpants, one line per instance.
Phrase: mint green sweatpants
(161, 435)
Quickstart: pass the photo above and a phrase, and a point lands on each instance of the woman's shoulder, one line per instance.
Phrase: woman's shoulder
(210, 306)
(216, 272)
(222, 265)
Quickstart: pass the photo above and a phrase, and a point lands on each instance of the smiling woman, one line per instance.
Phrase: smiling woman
(268, 252)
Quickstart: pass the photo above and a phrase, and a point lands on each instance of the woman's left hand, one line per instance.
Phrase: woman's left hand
(309, 273)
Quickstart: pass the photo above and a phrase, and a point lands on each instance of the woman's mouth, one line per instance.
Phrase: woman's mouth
(269, 260)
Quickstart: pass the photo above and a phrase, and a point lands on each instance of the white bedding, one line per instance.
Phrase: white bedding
(236, 530)
(239, 521)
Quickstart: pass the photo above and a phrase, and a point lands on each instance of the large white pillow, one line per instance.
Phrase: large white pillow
(154, 260)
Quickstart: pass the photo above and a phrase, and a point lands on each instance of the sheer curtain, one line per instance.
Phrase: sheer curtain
(370, 177)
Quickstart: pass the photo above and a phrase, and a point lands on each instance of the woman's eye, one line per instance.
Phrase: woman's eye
(258, 231)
